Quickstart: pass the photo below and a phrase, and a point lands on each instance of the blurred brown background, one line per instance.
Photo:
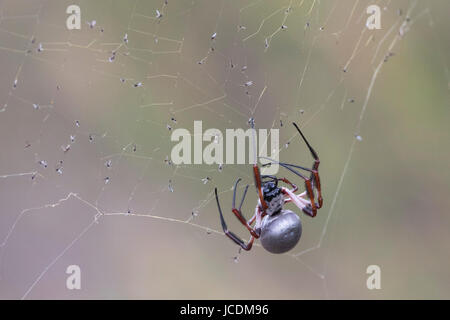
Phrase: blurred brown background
(391, 208)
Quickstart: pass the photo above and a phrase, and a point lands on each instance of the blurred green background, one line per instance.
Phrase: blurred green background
(386, 200)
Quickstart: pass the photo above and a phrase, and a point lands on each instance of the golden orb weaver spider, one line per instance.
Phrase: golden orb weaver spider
(279, 230)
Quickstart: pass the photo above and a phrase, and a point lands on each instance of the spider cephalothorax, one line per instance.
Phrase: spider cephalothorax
(279, 230)
(270, 190)
(273, 197)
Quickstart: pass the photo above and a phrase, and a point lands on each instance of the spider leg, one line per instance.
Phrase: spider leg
(246, 246)
(315, 165)
(294, 187)
(313, 152)
(263, 177)
(301, 195)
(238, 212)
(308, 186)
(285, 164)
(301, 203)
(258, 185)
(314, 178)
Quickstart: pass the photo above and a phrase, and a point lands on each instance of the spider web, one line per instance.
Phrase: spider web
(86, 119)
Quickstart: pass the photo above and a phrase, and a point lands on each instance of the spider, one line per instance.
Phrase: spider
(279, 230)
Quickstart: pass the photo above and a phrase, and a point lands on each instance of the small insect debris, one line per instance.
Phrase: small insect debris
(66, 148)
(59, 170)
(214, 35)
(106, 180)
(236, 257)
(108, 163)
(168, 161)
(202, 61)
(43, 163)
(388, 56)
(92, 24)
(170, 186)
(206, 180)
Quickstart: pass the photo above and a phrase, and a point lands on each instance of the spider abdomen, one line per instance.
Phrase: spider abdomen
(280, 232)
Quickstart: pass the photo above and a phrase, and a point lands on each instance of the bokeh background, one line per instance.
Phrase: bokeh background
(374, 104)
